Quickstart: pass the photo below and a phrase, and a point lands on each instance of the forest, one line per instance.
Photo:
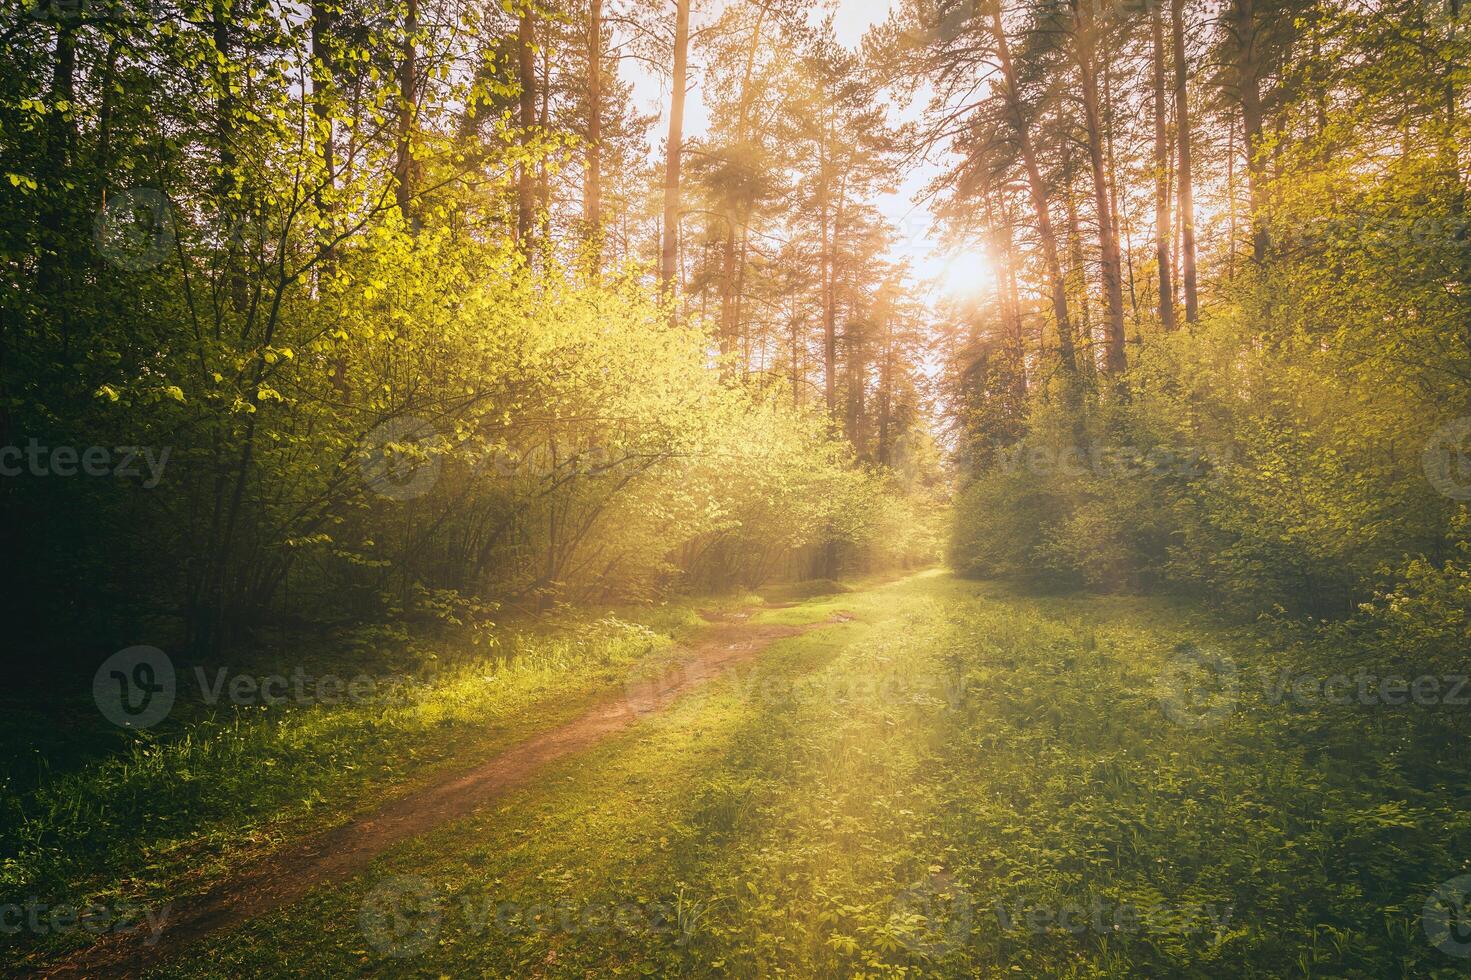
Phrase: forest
(813, 488)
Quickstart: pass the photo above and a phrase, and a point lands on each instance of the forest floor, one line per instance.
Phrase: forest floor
(928, 777)
(320, 859)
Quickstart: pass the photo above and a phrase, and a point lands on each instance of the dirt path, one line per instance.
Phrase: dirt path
(285, 876)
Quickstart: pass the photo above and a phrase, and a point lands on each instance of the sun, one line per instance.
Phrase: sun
(966, 274)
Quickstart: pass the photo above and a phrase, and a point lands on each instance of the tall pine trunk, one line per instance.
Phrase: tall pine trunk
(408, 72)
(593, 179)
(1185, 179)
(1162, 231)
(1037, 191)
(826, 233)
(669, 254)
(526, 75)
(1114, 360)
(1249, 84)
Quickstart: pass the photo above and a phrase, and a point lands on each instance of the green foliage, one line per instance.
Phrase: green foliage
(369, 389)
(1271, 454)
(189, 801)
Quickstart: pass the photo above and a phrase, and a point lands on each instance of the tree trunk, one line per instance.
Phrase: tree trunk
(727, 337)
(1014, 293)
(740, 207)
(1007, 302)
(323, 70)
(1248, 77)
(236, 289)
(57, 241)
(825, 276)
(669, 255)
(323, 74)
(408, 71)
(1186, 182)
(543, 125)
(1162, 233)
(1114, 360)
(886, 394)
(1038, 194)
(741, 326)
(593, 179)
(798, 376)
(526, 75)
(856, 368)
(1077, 270)
(829, 327)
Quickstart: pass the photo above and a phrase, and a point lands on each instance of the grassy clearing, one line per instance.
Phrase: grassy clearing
(591, 870)
(961, 781)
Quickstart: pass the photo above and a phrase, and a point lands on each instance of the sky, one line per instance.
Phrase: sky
(851, 19)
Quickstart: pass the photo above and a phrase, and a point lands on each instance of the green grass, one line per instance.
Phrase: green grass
(926, 790)
(169, 813)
